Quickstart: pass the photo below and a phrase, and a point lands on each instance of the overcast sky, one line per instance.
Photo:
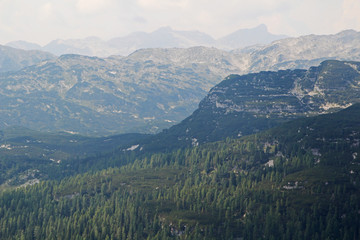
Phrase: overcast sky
(41, 21)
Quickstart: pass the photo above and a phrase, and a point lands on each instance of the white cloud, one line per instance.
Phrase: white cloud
(20, 19)
(45, 11)
(163, 4)
(91, 6)
(278, 24)
(350, 15)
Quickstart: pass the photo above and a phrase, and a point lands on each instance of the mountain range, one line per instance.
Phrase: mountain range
(150, 89)
(145, 92)
(164, 37)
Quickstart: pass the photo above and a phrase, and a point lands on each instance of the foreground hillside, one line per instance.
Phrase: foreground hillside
(297, 181)
(27, 156)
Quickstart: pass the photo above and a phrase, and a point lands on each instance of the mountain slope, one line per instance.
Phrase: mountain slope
(297, 181)
(28, 156)
(147, 91)
(242, 105)
(12, 59)
(302, 52)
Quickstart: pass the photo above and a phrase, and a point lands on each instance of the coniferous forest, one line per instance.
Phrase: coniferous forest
(295, 181)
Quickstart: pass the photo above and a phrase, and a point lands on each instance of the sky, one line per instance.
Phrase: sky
(41, 21)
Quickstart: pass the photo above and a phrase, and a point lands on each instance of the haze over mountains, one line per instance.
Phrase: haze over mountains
(12, 59)
(165, 37)
(148, 90)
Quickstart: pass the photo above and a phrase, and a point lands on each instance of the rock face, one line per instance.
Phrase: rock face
(12, 59)
(302, 52)
(242, 105)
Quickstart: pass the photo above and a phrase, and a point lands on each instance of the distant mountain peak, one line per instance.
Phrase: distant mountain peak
(262, 27)
(13, 59)
(248, 37)
(163, 37)
(24, 45)
(165, 29)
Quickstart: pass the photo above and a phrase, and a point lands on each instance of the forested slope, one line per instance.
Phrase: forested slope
(297, 181)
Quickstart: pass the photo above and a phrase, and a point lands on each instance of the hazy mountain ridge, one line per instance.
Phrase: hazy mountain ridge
(91, 46)
(12, 59)
(164, 37)
(246, 37)
(161, 38)
(303, 52)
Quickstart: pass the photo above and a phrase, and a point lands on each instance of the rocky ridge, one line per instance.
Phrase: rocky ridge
(164, 37)
(246, 104)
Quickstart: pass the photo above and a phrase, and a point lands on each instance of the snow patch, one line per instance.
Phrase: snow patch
(328, 106)
(71, 132)
(353, 66)
(270, 163)
(132, 148)
(149, 118)
(56, 161)
(160, 106)
(194, 142)
(292, 185)
(315, 152)
(6, 146)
